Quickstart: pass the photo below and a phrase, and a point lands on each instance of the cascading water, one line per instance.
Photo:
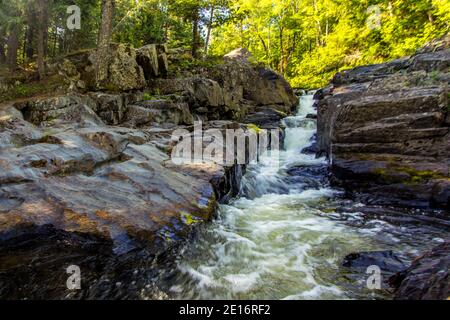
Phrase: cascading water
(282, 239)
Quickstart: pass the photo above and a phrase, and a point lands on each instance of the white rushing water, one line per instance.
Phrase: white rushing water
(281, 239)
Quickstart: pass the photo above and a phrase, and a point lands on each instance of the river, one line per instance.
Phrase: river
(282, 238)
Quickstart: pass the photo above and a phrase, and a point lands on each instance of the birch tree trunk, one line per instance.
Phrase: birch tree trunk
(208, 32)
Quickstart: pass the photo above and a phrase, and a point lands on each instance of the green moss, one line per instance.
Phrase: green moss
(187, 218)
(182, 63)
(434, 75)
(407, 175)
(110, 87)
(254, 128)
(147, 96)
(282, 113)
(25, 90)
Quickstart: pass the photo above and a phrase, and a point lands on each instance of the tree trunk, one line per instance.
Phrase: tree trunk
(2, 49)
(13, 46)
(29, 35)
(42, 36)
(281, 64)
(195, 35)
(104, 40)
(46, 22)
(55, 41)
(208, 33)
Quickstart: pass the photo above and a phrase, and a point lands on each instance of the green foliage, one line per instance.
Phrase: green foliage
(254, 128)
(23, 90)
(184, 63)
(307, 41)
(310, 40)
(147, 96)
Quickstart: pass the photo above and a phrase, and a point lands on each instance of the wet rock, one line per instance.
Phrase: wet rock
(107, 185)
(428, 277)
(387, 261)
(313, 177)
(265, 117)
(80, 184)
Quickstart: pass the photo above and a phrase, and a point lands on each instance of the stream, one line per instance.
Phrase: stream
(282, 237)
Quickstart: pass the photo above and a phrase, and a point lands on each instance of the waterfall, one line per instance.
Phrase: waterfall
(282, 239)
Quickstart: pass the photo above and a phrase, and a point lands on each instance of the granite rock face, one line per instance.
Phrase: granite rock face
(386, 130)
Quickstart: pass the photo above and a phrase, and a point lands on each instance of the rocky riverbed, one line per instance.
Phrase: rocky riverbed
(386, 131)
(87, 179)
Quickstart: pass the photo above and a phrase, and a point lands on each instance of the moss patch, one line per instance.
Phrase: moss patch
(188, 219)
(407, 175)
(183, 62)
(26, 90)
(254, 128)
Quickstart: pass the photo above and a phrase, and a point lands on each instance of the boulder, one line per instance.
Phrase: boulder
(240, 54)
(160, 112)
(147, 58)
(71, 108)
(428, 277)
(208, 93)
(153, 60)
(124, 73)
(387, 261)
(231, 90)
(110, 107)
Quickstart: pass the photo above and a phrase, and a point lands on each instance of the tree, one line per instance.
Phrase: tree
(13, 46)
(104, 40)
(42, 36)
(2, 46)
(11, 17)
(30, 13)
